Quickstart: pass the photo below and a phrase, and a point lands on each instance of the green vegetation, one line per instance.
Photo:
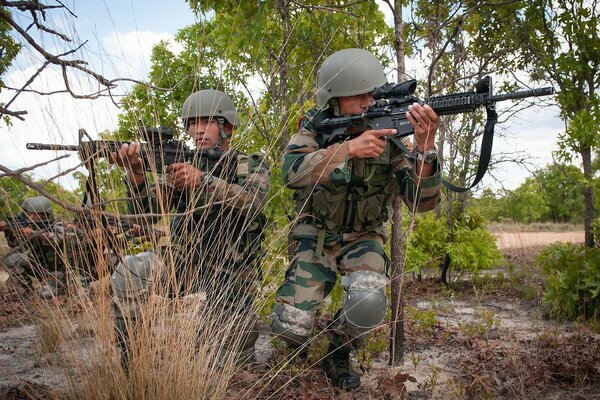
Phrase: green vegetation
(470, 247)
(573, 285)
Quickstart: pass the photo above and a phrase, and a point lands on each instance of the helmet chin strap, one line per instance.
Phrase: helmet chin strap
(335, 106)
(222, 134)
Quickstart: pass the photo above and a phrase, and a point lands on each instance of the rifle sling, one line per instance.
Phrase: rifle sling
(484, 157)
(486, 151)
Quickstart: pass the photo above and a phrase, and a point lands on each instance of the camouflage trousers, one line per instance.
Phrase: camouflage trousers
(311, 277)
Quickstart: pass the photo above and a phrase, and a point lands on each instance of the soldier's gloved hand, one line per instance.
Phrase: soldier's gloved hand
(129, 157)
(184, 175)
(425, 122)
(369, 144)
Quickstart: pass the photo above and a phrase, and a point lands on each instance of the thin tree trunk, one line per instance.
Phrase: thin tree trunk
(396, 344)
(588, 196)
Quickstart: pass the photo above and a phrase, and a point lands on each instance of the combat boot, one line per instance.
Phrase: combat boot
(338, 369)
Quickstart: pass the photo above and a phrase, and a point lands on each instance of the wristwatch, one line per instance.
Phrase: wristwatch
(428, 156)
(206, 179)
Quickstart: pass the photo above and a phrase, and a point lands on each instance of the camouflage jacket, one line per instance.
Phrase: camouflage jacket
(222, 219)
(50, 247)
(350, 197)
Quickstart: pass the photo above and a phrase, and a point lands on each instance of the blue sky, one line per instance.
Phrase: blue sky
(120, 37)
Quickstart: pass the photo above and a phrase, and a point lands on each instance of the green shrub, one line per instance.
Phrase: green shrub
(573, 284)
(471, 247)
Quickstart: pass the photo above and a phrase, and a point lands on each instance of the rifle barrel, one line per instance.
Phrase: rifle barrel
(56, 147)
(545, 91)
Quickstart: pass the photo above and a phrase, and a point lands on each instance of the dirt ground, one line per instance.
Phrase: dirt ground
(475, 339)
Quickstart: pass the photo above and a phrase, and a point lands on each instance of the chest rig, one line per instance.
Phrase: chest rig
(358, 197)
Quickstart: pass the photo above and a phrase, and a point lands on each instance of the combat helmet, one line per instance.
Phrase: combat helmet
(37, 205)
(348, 72)
(212, 104)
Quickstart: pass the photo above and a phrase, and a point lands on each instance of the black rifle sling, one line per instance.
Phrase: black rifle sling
(486, 151)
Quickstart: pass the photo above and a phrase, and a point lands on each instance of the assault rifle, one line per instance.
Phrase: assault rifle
(158, 150)
(21, 221)
(391, 106)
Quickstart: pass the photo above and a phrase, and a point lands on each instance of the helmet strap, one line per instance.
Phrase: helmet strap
(222, 133)
(335, 106)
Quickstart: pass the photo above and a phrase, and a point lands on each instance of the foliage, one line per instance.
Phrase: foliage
(553, 194)
(426, 244)
(471, 247)
(573, 285)
(527, 203)
(14, 192)
(9, 49)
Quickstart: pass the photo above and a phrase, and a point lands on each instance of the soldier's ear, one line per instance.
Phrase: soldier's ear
(228, 128)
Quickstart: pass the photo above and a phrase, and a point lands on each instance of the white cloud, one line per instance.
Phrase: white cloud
(57, 118)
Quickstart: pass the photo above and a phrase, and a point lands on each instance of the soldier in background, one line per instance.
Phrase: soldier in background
(42, 246)
(215, 237)
(344, 194)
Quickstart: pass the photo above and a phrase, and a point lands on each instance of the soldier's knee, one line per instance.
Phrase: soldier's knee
(292, 324)
(364, 304)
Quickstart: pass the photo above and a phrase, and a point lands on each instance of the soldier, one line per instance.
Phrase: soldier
(216, 234)
(41, 246)
(344, 195)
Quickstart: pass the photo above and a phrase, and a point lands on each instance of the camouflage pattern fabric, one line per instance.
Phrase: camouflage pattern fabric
(342, 206)
(47, 255)
(216, 232)
(311, 277)
(215, 236)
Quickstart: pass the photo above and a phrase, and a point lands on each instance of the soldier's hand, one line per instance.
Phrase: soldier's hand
(425, 122)
(184, 175)
(369, 144)
(27, 231)
(129, 157)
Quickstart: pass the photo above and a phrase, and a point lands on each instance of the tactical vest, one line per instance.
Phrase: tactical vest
(218, 223)
(358, 199)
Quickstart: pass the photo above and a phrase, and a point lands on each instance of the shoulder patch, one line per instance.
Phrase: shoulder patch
(242, 165)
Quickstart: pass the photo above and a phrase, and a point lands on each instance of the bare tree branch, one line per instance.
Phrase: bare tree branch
(16, 114)
(26, 169)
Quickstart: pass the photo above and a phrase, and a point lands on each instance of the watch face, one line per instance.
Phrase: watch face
(429, 156)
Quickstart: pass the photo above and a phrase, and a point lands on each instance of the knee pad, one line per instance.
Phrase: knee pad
(292, 324)
(364, 305)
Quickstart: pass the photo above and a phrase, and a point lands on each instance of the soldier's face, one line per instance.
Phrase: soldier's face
(37, 217)
(204, 132)
(355, 104)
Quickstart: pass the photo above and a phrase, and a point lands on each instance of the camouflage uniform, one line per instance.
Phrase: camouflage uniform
(215, 236)
(44, 256)
(342, 205)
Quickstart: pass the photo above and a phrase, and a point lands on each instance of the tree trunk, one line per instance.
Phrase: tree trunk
(396, 345)
(588, 196)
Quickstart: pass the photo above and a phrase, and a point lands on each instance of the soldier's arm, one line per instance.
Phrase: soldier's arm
(305, 164)
(249, 193)
(420, 193)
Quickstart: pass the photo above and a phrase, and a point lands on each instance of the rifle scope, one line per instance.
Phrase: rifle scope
(390, 90)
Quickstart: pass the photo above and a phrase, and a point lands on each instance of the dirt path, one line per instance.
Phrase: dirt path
(534, 239)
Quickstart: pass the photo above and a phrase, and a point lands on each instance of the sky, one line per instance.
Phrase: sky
(120, 37)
